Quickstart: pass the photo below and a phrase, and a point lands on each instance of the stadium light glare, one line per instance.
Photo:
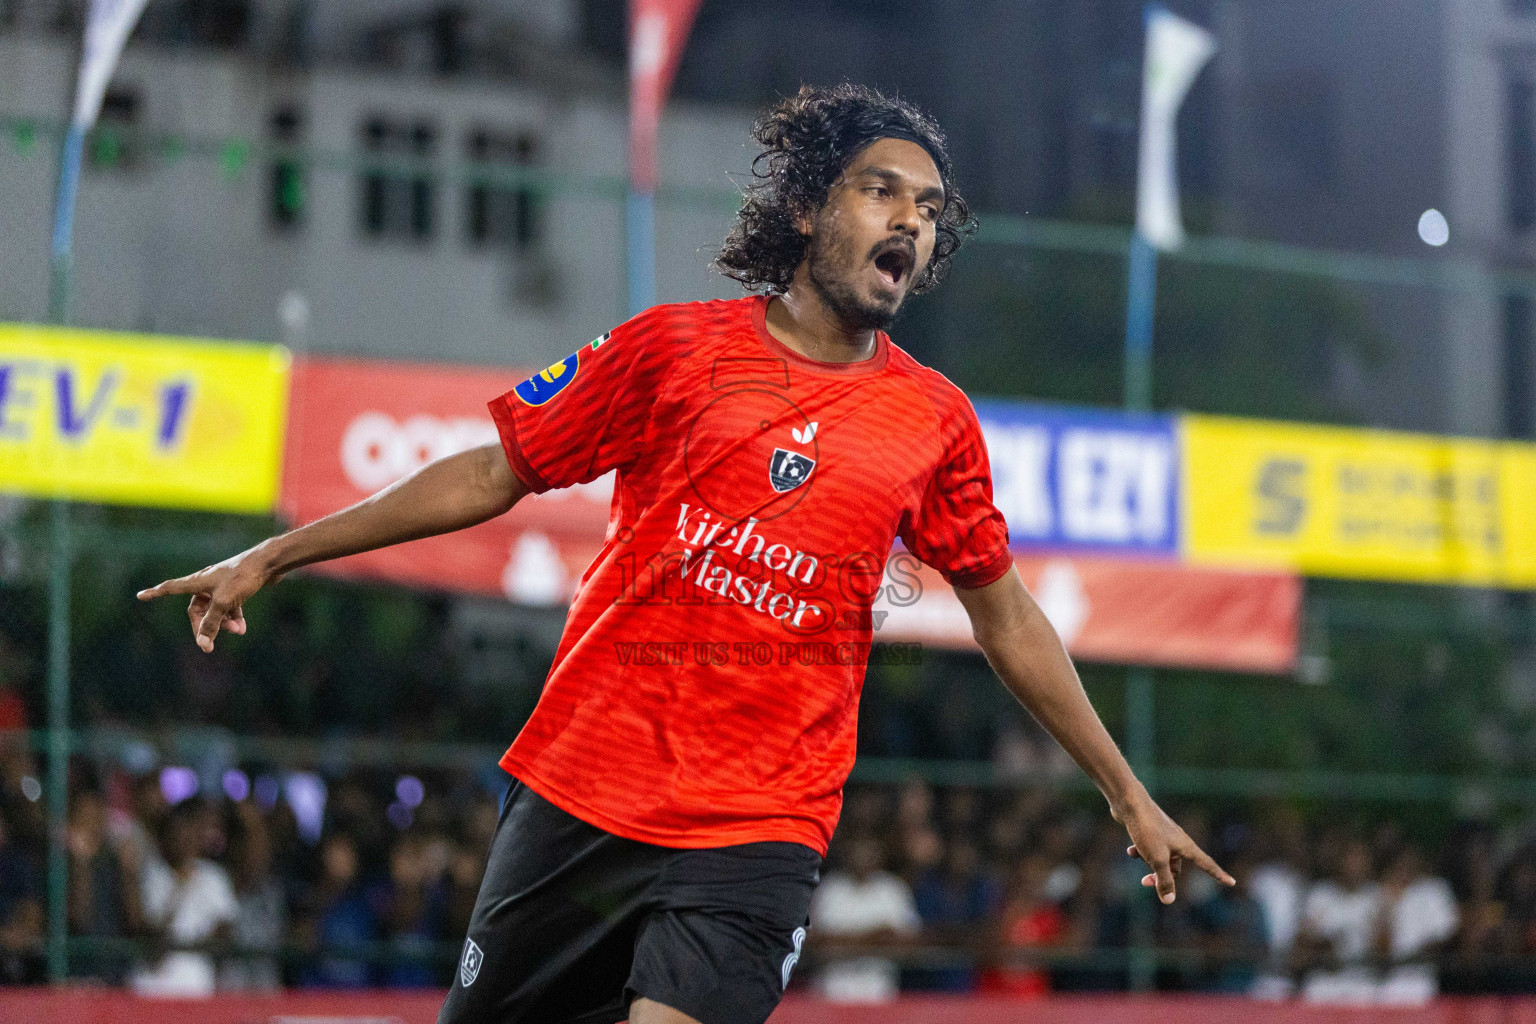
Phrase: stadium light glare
(237, 785)
(399, 815)
(306, 793)
(1433, 229)
(267, 789)
(410, 791)
(177, 783)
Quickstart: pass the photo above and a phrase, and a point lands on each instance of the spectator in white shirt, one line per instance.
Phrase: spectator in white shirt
(188, 904)
(856, 908)
(1418, 919)
(1338, 930)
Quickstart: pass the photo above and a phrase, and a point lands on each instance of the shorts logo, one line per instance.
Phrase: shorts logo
(788, 470)
(794, 956)
(469, 966)
(549, 382)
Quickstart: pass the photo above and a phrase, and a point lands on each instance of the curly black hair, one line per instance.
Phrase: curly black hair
(808, 140)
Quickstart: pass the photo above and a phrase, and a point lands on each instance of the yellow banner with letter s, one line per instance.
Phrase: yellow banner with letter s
(1365, 504)
(141, 420)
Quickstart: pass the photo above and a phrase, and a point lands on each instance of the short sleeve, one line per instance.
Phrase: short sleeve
(956, 529)
(575, 420)
(1425, 914)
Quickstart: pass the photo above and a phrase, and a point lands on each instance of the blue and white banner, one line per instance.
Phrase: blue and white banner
(108, 23)
(1085, 480)
(1176, 51)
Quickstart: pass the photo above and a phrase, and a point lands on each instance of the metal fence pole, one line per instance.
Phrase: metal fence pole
(640, 224)
(1140, 305)
(60, 559)
(1140, 686)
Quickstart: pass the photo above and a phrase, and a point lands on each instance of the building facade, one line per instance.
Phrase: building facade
(349, 210)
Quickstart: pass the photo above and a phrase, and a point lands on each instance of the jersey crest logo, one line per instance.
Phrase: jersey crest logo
(794, 957)
(788, 470)
(469, 965)
(549, 382)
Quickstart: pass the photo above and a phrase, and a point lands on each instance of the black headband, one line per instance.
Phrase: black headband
(928, 145)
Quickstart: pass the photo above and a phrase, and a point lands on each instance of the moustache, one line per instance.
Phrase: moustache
(890, 244)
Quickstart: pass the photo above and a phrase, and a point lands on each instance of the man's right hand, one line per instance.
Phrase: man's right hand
(452, 493)
(219, 593)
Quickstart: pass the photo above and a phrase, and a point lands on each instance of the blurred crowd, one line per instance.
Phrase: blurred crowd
(180, 884)
(180, 888)
(1023, 893)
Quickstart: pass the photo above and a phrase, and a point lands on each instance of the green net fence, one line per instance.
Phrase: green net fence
(341, 758)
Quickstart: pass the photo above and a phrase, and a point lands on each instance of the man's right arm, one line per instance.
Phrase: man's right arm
(450, 494)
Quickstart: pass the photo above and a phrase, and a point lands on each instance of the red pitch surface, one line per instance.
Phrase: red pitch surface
(107, 1006)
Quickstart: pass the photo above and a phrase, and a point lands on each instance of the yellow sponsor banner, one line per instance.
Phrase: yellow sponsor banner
(1365, 504)
(141, 420)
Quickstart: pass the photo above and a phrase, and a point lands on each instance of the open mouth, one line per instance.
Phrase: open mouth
(894, 265)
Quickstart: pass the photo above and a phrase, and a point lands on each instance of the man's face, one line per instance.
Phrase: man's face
(874, 235)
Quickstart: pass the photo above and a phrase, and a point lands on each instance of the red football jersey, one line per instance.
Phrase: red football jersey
(705, 691)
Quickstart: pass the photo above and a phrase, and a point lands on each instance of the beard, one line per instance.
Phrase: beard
(832, 264)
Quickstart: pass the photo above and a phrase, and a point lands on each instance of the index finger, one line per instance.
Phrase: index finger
(1207, 864)
(180, 585)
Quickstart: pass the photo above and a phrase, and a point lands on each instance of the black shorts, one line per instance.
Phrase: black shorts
(573, 923)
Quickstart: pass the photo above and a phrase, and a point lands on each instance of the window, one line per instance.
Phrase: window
(114, 142)
(501, 210)
(1520, 155)
(399, 190)
(288, 179)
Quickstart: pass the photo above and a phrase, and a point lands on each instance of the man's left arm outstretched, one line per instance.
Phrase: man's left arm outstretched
(1024, 650)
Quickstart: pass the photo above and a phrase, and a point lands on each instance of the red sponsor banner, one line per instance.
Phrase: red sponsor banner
(658, 29)
(107, 1006)
(1123, 611)
(359, 426)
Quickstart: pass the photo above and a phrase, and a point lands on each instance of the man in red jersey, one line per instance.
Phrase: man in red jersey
(675, 788)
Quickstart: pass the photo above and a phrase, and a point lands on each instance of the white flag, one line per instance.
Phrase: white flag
(107, 26)
(1176, 51)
